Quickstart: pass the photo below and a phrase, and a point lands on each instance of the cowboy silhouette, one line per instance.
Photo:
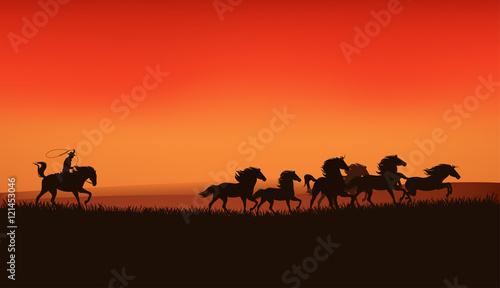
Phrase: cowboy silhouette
(67, 162)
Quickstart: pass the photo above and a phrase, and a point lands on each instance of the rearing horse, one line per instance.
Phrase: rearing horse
(244, 188)
(434, 181)
(69, 182)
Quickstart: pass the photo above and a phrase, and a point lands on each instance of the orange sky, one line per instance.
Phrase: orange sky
(227, 78)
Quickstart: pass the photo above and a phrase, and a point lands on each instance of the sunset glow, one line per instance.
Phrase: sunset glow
(158, 92)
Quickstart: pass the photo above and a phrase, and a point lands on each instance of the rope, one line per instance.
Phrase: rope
(65, 151)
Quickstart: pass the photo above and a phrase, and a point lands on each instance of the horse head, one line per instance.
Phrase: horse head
(290, 175)
(397, 161)
(87, 172)
(332, 166)
(259, 175)
(249, 174)
(454, 172)
(442, 171)
(342, 164)
(390, 163)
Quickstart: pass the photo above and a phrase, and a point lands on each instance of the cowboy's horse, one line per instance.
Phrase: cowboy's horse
(68, 182)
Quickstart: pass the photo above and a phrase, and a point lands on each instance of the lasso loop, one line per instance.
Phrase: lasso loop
(61, 154)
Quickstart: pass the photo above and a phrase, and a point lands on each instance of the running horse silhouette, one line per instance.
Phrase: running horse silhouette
(283, 192)
(434, 181)
(355, 170)
(68, 182)
(389, 179)
(332, 185)
(244, 188)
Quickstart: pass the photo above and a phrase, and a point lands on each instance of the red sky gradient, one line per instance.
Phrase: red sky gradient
(226, 78)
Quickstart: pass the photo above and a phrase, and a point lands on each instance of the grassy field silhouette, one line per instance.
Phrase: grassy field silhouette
(406, 245)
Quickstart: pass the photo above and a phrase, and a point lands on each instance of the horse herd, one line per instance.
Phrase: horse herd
(332, 184)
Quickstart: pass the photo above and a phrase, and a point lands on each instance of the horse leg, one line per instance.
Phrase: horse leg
(369, 198)
(335, 201)
(355, 196)
(43, 191)
(214, 198)
(224, 202)
(410, 192)
(260, 204)
(321, 199)
(54, 194)
(271, 202)
(297, 199)
(244, 199)
(254, 201)
(82, 190)
(330, 202)
(77, 197)
(288, 204)
(402, 197)
(405, 195)
(392, 194)
(448, 187)
(315, 192)
(345, 194)
(399, 187)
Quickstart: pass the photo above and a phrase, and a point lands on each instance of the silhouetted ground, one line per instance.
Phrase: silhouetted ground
(417, 245)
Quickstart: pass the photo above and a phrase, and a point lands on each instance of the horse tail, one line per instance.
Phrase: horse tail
(41, 168)
(210, 191)
(258, 194)
(354, 182)
(307, 178)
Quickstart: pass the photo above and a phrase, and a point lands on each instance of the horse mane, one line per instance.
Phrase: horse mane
(242, 175)
(438, 169)
(84, 168)
(331, 166)
(382, 166)
(285, 175)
